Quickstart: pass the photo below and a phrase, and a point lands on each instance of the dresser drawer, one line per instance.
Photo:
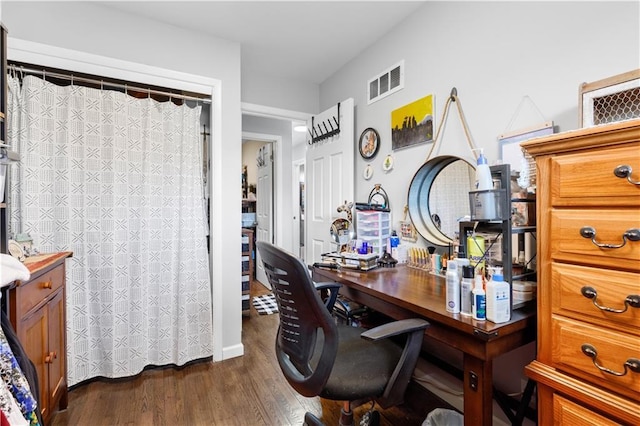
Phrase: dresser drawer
(588, 178)
(31, 293)
(612, 350)
(566, 412)
(611, 288)
(609, 225)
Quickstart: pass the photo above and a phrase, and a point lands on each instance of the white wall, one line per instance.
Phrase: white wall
(89, 27)
(494, 53)
(261, 88)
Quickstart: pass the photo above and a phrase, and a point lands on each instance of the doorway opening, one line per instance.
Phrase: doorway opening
(259, 193)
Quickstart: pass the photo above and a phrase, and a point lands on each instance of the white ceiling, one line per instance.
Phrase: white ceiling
(306, 41)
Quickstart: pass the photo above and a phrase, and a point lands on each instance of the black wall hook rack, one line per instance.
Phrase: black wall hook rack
(321, 131)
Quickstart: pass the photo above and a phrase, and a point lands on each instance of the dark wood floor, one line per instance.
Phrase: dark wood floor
(247, 390)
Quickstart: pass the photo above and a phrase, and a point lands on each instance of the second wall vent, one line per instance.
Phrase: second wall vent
(386, 83)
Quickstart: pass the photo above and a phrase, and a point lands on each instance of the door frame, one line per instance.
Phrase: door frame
(276, 147)
(280, 114)
(295, 200)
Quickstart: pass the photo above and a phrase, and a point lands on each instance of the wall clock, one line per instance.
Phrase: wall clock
(369, 143)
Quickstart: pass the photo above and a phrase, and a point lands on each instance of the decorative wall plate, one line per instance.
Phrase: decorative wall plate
(368, 172)
(387, 164)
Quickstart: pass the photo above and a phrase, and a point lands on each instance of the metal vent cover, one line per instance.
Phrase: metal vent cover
(384, 84)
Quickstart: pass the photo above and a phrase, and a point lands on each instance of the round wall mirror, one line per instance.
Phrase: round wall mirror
(439, 196)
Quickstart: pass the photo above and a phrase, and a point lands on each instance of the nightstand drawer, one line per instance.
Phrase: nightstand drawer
(573, 341)
(577, 289)
(566, 412)
(589, 179)
(609, 226)
(31, 293)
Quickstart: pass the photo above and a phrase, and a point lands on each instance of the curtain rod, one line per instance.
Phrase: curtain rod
(70, 77)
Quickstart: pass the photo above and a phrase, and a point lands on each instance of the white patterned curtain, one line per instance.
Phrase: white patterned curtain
(117, 181)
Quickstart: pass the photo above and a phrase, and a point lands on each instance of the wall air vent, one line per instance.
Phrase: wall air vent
(386, 83)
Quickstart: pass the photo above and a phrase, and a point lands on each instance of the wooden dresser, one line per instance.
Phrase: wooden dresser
(588, 361)
(37, 312)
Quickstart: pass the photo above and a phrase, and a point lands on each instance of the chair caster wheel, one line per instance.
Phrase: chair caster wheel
(370, 418)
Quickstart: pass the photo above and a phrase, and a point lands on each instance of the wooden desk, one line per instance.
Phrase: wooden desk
(404, 292)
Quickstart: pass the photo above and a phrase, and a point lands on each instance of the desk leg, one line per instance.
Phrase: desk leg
(478, 391)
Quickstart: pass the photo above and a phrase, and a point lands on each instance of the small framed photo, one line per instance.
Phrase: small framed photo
(369, 143)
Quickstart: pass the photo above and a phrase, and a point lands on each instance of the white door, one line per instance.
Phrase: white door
(329, 175)
(264, 205)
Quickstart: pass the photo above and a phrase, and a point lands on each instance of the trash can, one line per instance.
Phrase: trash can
(444, 417)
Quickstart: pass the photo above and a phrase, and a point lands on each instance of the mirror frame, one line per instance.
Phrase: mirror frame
(418, 199)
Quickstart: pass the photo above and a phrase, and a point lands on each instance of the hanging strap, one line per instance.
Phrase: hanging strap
(516, 114)
(453, 98)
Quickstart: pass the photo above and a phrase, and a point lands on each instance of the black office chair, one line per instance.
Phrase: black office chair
(338, 362)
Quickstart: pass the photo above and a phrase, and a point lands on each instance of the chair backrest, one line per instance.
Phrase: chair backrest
(304, 322)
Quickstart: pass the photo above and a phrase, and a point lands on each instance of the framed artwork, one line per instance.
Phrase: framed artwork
(412, 124)
(369, 143)
(512, 154)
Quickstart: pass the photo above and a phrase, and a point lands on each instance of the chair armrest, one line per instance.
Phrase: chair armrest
(397, 385)
(394, 328)
(333, 289)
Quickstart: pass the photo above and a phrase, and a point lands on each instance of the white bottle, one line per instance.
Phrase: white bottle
(453, 288)
(498, 298)
(485, 202)
(466, 290)
(484, 180)
(478, 308)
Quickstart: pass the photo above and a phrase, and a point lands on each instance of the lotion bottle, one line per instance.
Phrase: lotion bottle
(485, 203)
(453, 288)
(484, 180)
(498, 298)
(478, 309)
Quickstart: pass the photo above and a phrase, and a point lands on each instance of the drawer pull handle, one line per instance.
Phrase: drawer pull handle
(630, 235)
(624, 171)
(632, 364)
(632, 300)
(47, 285)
